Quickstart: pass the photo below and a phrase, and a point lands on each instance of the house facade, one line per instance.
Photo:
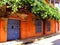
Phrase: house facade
(55, 3)
(23, 26)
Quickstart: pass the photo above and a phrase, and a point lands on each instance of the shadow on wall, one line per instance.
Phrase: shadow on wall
(56, 42)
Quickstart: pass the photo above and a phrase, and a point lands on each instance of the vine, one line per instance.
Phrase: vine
(37, 7)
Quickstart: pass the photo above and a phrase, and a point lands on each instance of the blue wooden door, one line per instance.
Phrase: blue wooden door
(13, 29)
(39, 26)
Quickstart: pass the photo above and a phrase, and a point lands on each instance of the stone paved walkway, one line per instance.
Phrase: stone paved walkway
(53, 40)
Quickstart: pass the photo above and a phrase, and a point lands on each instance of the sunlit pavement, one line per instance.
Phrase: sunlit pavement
(54, 40)
(11, 43)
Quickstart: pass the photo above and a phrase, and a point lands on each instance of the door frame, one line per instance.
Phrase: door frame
(19, 25)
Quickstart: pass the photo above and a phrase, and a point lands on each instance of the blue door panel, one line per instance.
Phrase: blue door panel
(13, 29)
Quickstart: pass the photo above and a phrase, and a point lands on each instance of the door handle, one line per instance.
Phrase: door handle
(12, 27)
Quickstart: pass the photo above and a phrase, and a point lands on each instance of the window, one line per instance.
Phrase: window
(48, 26)
(38, 26)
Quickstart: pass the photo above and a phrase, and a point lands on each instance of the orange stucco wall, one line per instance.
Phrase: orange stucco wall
(3, 32)
(59, 26)
(27, 28)
(52, 27)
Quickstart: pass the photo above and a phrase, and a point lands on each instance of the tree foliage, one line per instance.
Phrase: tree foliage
(37, 7)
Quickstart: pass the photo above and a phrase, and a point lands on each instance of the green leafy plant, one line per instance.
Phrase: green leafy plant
(37, 7)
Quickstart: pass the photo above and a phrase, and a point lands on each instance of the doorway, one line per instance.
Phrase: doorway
(13, 29)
